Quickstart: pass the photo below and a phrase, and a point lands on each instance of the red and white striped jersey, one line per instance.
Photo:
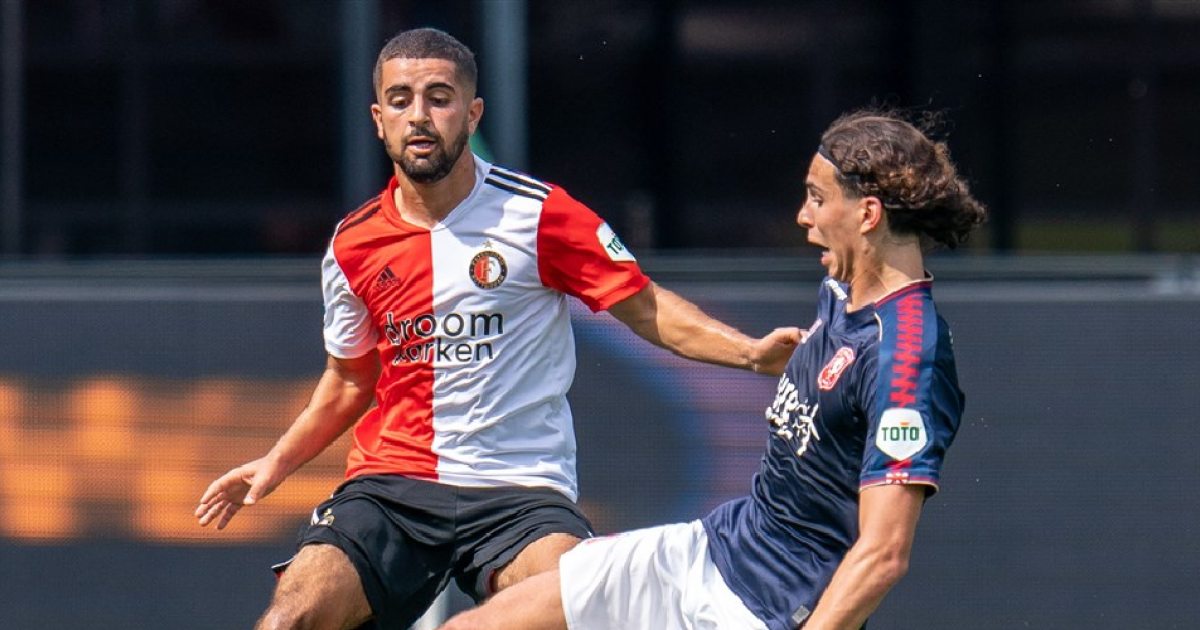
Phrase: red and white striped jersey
(472, 324)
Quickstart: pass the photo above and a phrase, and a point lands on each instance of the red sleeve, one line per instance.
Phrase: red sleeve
(578, 254)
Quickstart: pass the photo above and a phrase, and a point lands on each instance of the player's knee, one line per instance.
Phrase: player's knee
(277, 619)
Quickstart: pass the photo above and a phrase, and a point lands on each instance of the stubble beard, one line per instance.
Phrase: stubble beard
(434, 167)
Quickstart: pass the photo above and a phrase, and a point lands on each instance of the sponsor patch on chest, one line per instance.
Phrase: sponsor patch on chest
(791, 419)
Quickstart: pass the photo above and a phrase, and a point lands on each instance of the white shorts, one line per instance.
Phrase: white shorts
(651, 579)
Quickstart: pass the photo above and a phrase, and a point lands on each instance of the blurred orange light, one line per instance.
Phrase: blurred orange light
(117, 456)
(38, 501)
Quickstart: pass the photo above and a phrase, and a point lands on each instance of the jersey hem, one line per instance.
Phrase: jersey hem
(507, 482)
(722, 561)
(463, 481)
(339, 351)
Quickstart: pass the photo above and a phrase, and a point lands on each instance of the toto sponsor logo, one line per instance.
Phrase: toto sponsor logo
(901, 433)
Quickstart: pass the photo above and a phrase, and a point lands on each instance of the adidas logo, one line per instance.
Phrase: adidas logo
(387, 279)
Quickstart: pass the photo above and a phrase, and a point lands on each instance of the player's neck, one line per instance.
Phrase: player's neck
(886, 273)
(426, 205)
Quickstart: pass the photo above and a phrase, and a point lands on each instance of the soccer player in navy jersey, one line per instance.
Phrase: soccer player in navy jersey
(857, 432)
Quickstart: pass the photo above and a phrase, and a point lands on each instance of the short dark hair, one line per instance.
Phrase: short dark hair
(429, 43)
(880, 153)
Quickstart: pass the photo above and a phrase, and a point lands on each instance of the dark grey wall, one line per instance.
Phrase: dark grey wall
(1067, 499)
(1069, 502)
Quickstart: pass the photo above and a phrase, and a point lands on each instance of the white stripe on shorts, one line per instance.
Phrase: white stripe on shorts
(659, 578)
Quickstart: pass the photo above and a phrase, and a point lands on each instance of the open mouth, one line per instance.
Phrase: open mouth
(421, 145)
(826, 255)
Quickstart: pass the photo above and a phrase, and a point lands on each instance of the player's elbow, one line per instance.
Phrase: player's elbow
(640, 313)
(893, 569)
(886, 559)
(891, 564)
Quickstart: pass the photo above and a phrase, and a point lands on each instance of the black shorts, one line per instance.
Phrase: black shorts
(407, 537)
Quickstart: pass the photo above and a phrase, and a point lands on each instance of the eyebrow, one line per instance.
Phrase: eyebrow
(432, 86)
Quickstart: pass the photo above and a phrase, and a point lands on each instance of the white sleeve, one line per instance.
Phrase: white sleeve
(349, 332)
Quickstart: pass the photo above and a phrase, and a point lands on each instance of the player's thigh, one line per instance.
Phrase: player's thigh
(397, 533)
(508, 534)
(534, 604)
(320, 589)
(537, 557)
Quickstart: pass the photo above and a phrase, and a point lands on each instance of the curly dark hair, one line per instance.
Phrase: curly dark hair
(879, 153)
(429, 43)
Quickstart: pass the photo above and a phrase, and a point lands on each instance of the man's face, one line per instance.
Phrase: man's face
(833, 220)
(425, 116)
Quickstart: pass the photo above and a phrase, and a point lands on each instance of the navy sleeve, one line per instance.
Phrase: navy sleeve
(914, 404)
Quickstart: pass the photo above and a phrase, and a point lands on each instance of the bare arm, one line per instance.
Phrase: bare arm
(341, 396)
(669, 321)
(887, 521)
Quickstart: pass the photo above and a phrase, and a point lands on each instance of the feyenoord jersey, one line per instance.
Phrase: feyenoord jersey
(869, 398)
(472, 325)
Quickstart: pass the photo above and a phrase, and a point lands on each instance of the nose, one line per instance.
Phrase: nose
(803, 218)
(418, 112)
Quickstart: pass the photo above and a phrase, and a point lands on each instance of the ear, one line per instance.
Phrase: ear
(871, 214)
(474, 113)
(377, 118)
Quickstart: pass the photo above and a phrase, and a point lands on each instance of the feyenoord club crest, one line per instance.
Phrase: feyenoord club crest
(488, 270)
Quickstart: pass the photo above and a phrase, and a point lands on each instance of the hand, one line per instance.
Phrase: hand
(771, 353)
(242, 486)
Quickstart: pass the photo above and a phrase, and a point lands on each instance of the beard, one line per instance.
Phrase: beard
(435, 166)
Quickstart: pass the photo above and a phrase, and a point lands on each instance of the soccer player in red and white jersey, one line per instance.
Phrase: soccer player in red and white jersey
(445, 305)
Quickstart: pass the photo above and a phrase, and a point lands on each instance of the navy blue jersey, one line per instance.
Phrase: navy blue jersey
(869, 398)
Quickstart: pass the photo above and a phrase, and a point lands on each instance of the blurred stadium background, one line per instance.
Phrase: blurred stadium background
(171, 169)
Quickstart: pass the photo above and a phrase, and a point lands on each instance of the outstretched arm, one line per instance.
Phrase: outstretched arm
(669, 321)
(887, 521)
(341, 396)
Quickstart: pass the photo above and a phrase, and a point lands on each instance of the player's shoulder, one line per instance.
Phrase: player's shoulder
(913, 300)
(361, 215)
(517, 183)
(911, 314)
